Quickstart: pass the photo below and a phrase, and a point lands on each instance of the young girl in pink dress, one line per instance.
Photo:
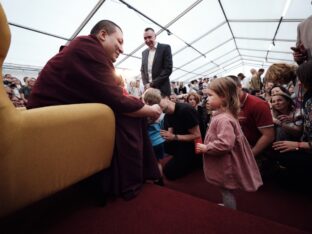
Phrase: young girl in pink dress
(228, 159)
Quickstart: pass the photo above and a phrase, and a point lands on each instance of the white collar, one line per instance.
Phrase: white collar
(155, 46)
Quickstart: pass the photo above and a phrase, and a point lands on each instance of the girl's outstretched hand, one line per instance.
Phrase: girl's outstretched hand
(200, 148)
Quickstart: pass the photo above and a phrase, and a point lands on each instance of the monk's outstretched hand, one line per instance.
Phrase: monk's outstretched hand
(155, 112)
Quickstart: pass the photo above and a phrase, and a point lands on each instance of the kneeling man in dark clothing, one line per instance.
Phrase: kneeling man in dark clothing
(182, 129)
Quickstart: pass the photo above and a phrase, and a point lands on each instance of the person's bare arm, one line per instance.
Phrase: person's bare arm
(153, 111)
(286, 146)
(194, 133)
(264, 141)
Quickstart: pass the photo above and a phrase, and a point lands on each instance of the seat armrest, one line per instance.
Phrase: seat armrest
(48, 149)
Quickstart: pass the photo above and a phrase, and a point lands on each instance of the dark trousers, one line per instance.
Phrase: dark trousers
(183, 161)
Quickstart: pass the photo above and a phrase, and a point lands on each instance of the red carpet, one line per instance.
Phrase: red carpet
(155, 210)
(274, 201)
(187, 205)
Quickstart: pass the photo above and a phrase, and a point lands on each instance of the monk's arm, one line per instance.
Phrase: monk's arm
(153, 111)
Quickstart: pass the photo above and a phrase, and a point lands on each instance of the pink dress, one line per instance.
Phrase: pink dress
(229, 162)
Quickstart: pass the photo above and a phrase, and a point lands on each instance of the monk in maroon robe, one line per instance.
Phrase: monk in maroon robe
(83, 72)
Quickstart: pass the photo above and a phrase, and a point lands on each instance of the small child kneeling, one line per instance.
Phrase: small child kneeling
(155, 126)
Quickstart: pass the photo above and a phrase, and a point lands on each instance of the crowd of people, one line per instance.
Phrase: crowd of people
(241, 129)
(18, 92)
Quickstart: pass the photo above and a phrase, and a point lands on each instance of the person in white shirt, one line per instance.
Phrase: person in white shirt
(156, 64)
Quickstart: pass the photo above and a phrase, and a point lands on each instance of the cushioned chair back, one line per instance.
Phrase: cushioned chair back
(5, 38)
(7, 109)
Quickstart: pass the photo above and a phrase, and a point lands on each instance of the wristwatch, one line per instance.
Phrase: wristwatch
(298, 146)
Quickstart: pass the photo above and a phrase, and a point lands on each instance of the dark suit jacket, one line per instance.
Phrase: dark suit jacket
(161, 69)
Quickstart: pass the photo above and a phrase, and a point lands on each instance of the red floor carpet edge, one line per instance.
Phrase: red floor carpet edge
(162, 210)
(187, 205)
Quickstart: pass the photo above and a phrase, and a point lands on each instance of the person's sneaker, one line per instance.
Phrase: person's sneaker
(220, 204)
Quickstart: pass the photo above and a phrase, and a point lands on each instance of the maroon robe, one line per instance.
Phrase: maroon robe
(82, 73)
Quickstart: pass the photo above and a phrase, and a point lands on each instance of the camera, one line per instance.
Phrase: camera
(6, 82)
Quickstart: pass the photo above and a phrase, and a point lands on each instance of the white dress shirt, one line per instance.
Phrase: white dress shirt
(151, 56)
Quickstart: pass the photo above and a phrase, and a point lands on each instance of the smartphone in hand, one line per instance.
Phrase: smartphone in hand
(295, 49)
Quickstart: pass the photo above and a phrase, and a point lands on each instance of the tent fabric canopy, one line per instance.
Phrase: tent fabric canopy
(207, 37)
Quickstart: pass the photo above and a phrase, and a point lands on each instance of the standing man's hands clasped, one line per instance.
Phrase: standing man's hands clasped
(300, 53)
(146, 86)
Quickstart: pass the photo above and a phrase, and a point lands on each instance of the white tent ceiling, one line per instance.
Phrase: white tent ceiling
(207, 37)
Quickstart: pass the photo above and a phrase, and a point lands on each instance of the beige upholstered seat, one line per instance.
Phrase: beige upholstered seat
(47, 149)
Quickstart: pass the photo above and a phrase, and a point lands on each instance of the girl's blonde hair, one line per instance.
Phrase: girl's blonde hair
(151, 96)
(226, 88)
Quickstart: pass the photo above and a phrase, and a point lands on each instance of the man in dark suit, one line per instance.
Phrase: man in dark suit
(156, 64)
